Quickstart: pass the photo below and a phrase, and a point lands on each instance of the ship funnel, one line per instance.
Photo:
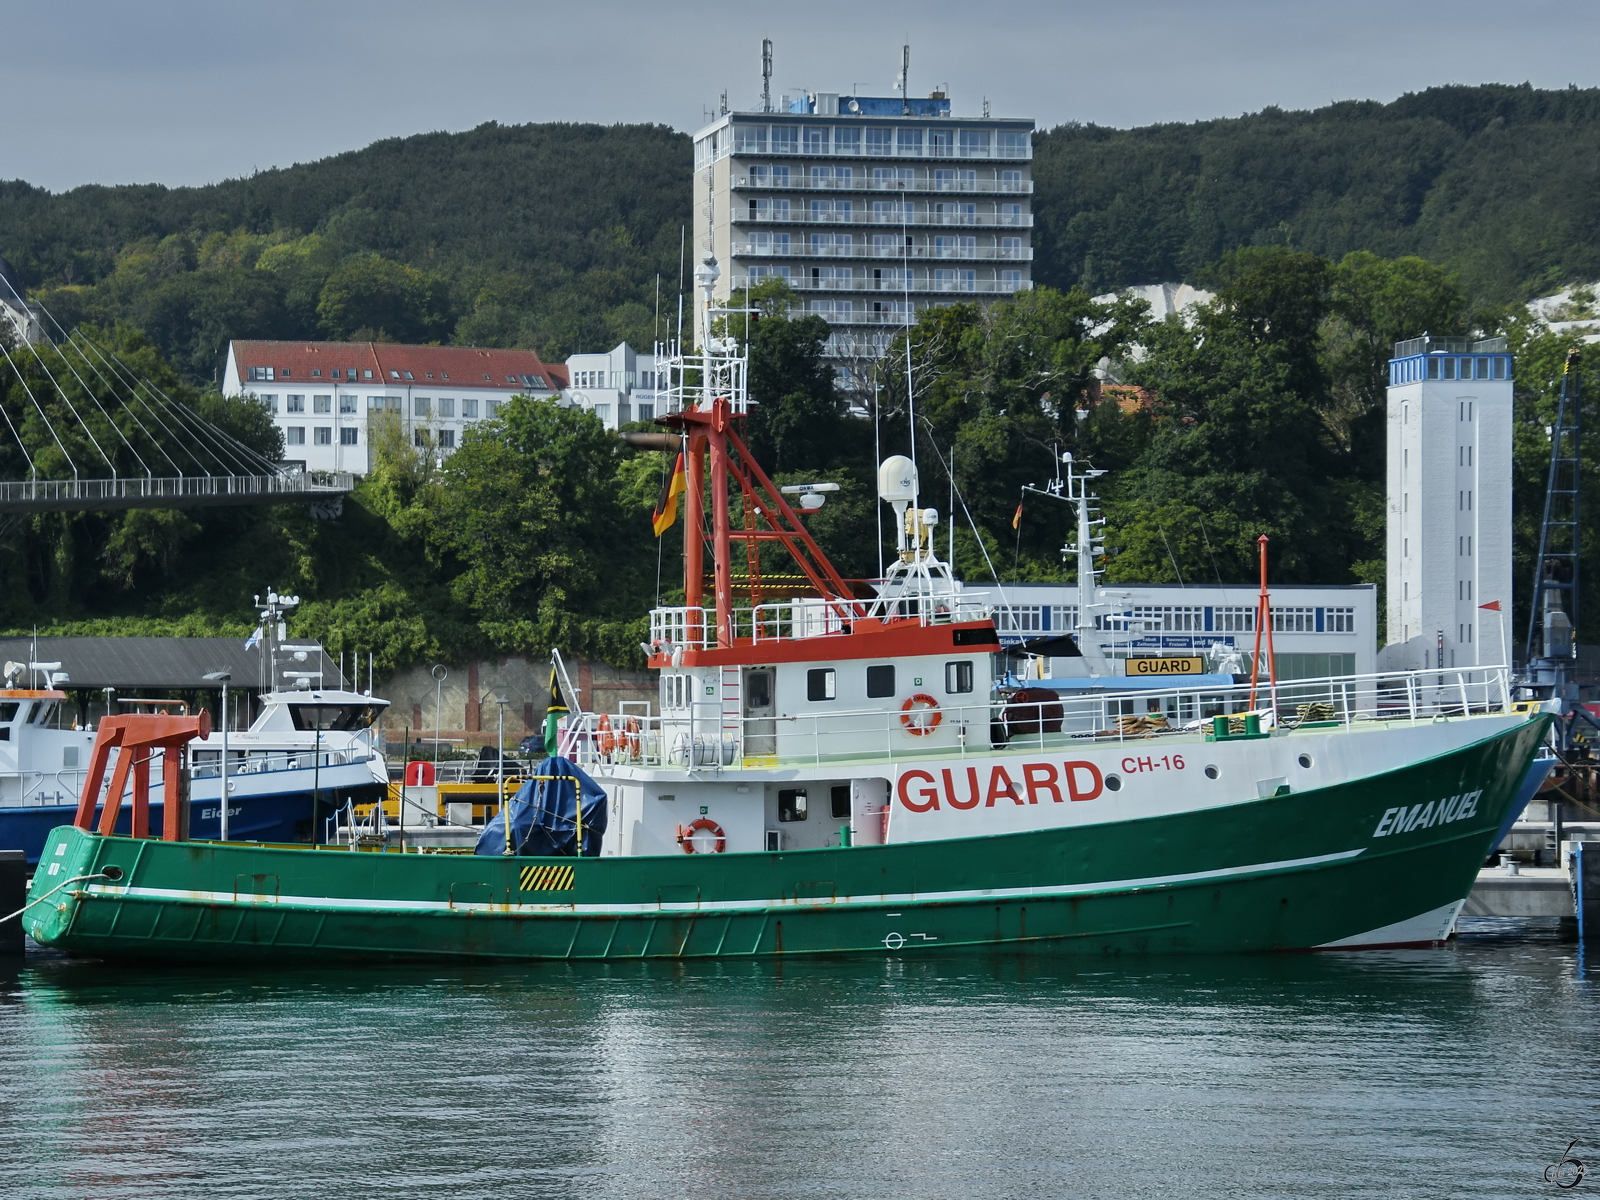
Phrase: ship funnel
(897, 480)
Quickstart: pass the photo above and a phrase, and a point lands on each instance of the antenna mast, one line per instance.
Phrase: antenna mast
(905, 75)
(766, 75)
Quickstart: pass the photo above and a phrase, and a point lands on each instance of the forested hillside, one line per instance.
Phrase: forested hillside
(546, 236)
(551, 236)
(1496, 182)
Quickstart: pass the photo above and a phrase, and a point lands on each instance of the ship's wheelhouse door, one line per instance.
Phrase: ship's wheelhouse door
(759, 711)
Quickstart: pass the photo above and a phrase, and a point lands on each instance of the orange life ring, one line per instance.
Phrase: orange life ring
(630, 737)
(920, 715)
(608, 740)
(686, 835)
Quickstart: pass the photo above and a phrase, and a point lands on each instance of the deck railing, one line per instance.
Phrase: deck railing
(703, 737)
(792, 620)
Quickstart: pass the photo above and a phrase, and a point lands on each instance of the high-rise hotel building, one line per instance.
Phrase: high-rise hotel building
(869, 207)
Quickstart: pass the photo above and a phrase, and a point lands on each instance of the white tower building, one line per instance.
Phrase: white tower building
(1449, 504)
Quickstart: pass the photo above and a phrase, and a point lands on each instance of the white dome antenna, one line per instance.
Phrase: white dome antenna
(897, 480)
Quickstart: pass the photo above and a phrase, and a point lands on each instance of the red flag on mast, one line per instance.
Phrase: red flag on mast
(1016, 521)
(1493, 605)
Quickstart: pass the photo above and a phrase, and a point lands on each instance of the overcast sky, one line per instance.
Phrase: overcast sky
(189, 91)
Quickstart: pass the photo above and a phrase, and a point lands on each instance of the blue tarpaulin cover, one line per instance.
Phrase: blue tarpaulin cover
(544, 814)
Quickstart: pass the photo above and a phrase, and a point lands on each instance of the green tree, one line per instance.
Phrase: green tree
(374, 298)
(528, 511)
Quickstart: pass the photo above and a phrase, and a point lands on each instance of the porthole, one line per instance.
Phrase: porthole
(1211, 772)
(1113, 783)
(1305, 760)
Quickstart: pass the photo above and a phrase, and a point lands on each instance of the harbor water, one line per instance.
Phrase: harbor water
(1463, 1071)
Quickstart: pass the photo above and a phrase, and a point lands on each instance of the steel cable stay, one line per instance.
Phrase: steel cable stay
(110, 420)
(223, 443)
(158, 413)
(126, 407)
(111, 388)
(21, 445)
(62, 392)
(84, 425)
(119, 368)
(83, 383)
(45, 417)
(209, 465)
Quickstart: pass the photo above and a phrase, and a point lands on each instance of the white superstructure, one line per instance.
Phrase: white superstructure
(1449, 503)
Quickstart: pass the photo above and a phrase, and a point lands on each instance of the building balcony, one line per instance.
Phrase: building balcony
(895, 319)
(775, 147)
(802, 216)
(890, 253)
(804, 183)
(924, 285)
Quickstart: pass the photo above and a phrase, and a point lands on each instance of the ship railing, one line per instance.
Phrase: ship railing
(354, 829)
(258, 762)
(32, 785)
(702, 736)
(465, 770)
(793, 620)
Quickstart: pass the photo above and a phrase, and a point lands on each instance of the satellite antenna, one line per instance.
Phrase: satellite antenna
(766, 75)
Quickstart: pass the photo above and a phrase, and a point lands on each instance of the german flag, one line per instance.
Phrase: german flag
(666, 514)
(1016, 521)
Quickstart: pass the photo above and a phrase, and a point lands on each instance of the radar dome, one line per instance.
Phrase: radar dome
(897, 479)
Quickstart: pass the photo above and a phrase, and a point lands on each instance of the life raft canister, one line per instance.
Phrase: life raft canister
(703, 825)
(920, 714)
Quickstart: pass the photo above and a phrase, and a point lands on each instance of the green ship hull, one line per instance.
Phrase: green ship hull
(1313, 869)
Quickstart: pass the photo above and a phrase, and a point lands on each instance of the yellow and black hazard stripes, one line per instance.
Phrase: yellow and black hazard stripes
(546, 879)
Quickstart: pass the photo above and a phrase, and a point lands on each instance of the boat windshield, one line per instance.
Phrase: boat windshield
(342, 717)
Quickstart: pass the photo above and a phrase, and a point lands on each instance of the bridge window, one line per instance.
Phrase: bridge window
(880, 681)
(792, 804)
(958, 677)
(822, 683)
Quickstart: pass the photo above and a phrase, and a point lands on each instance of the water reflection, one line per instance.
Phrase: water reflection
(1459, 1071)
